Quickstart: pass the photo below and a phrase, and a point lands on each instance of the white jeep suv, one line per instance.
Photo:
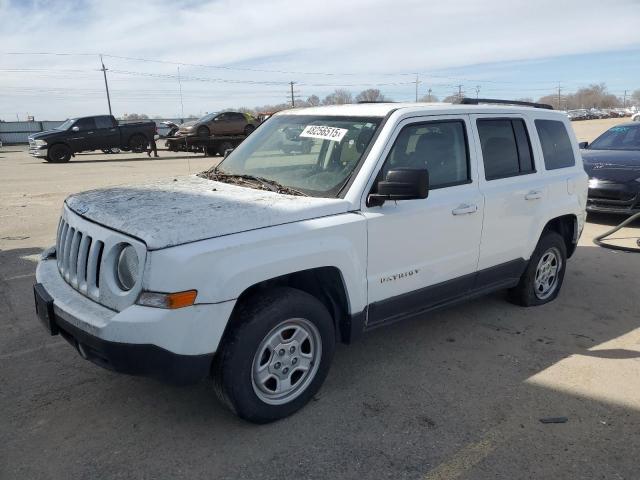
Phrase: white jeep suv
(251, 271)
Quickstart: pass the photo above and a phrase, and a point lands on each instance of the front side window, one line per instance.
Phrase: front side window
(506, 148)
(313, 154)
(440, 147)
(556, 146)
(85, 124)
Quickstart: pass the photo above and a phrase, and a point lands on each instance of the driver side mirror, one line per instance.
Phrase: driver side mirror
(227, 152)
(75, 128)
(583, 145)
(401, 184)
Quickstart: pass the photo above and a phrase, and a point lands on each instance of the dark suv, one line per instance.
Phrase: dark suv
(225, 123)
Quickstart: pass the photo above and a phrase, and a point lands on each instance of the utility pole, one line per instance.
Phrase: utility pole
(624, 101)
(417, 83)
(106, 85)
(559, 95)
(180, 86)
(429, 95)
(477, 91)
(293, 100)
(459, 93)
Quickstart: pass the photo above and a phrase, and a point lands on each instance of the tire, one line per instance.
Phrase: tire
(138, 143)
(284, 316)
(551, 250)
(248, 129)
(59, 154)
(203, 131)
(224, 146)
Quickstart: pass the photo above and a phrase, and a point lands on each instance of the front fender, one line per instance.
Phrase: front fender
(224, 267)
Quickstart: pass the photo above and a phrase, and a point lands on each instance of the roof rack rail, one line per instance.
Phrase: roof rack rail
(375, 101)
(478, 101)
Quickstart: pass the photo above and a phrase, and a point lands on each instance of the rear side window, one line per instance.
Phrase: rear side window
(440, 147)
(104, 122)
(556, 146)
(506, 148)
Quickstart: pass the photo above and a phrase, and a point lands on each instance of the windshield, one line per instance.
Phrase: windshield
(622, 137)
(207, 117)
(312, 154)
(66, 125)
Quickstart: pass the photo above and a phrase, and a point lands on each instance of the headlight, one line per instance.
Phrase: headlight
(40, 143)
(127, 268)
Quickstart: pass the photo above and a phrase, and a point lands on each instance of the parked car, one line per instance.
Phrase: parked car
(225, 123)
(635, 117)
(612, 162)
(253, 270)
(99, 132)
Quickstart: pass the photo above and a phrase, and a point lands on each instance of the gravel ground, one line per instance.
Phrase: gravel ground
(455, 394)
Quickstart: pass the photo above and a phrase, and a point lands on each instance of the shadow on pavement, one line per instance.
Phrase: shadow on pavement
(446, 395)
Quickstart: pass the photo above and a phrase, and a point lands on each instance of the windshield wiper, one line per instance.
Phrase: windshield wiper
(265, 183)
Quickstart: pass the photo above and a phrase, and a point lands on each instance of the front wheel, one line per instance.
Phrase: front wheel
(542, 280)
(277, 355)
(59, 154)
(203, 132)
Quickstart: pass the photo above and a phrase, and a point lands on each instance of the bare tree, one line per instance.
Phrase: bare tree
(635, 97)
(370, 95)
(313, 101)
(455, 98)
(135, 116)
(429, 98)
(338, 97)
(593, 96)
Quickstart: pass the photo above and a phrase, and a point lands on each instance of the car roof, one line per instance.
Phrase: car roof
(383, 109)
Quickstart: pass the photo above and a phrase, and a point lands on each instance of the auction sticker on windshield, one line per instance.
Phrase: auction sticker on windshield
(325, 133)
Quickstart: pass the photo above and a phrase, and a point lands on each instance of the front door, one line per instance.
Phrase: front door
(83, 138)
(425, 252)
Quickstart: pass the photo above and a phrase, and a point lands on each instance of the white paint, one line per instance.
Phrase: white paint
(221, 239)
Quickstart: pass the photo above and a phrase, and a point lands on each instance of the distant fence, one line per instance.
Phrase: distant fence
(18, 132)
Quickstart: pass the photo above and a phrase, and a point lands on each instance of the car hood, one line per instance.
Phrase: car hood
(187, 209)
(46, 133)
(614, 165)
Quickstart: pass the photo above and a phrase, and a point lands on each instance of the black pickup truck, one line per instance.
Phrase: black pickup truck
(100, 132)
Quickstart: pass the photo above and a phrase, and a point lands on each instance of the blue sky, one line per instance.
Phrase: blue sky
(243, 53)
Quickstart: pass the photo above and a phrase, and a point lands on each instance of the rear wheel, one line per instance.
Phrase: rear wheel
(59, 154)
(248, 129)
(110, 150)
(224, 146)
(276, 356)
(203, 131)
(542, 280)
(138, 143)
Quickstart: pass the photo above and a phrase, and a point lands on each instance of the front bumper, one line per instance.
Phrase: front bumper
(176, 346)
(612, 197)
(39, 152)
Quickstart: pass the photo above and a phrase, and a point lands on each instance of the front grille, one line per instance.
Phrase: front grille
(79, 257)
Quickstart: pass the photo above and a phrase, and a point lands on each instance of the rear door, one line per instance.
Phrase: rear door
(515, 194)
(107, 134)
(424, 252)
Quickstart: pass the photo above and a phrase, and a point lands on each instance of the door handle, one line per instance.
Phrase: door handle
(533, 195)
(465, 209)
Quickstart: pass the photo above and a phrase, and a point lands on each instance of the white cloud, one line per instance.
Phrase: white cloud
(363, 37)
